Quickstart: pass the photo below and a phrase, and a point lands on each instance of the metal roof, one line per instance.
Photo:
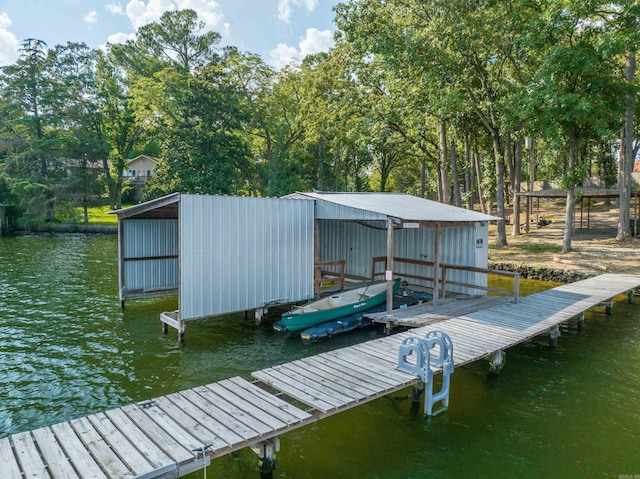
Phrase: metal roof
(397, 205)
(165, 207)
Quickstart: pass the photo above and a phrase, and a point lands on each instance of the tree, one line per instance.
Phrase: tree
(178, 40)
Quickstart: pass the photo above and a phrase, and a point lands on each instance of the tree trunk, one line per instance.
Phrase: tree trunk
(423, 177)
(476, 162)
(517, 166)
(501, 237)
(444, 176)
(320, 162)
(457, 197)
(571, 195)
(508, 159)
(626, 152)
(468, 172)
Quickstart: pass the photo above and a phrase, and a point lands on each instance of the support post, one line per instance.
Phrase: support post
(554, 334)
(388, 274)
(630, 296)
(496, 363)
(608, 308)
(416, 392)
(181, 331)
(259, 315)
(266, 451)
(581, 321)
(436, 265)
(317, 284)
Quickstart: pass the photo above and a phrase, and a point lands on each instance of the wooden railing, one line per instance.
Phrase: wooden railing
(442, 277)
(323, 276)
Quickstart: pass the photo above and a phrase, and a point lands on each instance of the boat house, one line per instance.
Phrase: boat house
(224, 254)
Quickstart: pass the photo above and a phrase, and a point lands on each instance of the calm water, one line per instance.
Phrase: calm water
(66, 350)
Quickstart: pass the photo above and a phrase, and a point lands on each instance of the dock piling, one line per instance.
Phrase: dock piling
(496, 362)
(554, 334)
(266, 451)
(581, 321)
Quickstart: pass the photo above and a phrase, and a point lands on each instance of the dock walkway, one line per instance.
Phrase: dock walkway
(173, 435)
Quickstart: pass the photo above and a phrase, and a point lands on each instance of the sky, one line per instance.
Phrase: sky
(277, 30)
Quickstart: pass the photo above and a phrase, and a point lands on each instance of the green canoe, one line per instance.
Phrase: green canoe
(337, 306)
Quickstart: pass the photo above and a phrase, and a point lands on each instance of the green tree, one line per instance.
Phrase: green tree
(178, 40)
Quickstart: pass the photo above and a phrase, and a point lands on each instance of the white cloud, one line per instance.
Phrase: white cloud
(282, 55)
(314, 42)
(121, 37)
(9, 44)
(141, 12)
(114, 8)
(284, 7)
(284, 10)
(91, 17)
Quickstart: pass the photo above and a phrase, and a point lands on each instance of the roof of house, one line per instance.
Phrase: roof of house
(142, 157)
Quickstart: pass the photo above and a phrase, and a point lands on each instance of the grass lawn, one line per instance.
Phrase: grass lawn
(98, 215)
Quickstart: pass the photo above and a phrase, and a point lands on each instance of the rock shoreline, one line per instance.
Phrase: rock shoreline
(542, 273)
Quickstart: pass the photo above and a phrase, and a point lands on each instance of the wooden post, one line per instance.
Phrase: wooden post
(317, 285)
(436, 265)
(121, 262)
(388, 274)
(554, 334)
(581, 320)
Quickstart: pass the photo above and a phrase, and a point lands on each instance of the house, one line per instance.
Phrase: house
(139, 170)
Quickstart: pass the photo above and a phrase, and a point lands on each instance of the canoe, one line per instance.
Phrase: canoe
(336, 306)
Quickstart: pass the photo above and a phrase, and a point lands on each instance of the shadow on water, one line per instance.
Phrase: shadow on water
(67, 350)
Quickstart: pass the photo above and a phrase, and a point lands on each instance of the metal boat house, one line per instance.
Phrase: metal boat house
(224, 254)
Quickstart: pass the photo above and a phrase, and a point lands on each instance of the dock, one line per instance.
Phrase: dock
(171, 436)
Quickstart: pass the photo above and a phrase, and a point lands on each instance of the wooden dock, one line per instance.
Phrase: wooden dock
(176, 434)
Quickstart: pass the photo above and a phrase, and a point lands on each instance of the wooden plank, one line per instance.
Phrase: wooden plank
(174, 441)
(247, 407)
(100, 450)
(217, 418)
(29, 457)
(126, 451)
(57, 462)
(147, 448)
(358, 366)
(266, 398)
(286, 412)
(329, 382)
(303, 381)
(83, 462)
(8, 461)
(282, 383)
(193, 420)
(341, 377)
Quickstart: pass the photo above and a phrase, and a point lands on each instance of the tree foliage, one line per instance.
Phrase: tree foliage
(427, 97)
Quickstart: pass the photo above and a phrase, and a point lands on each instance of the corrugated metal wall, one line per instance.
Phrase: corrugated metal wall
(239, 254)
(358, 242)
(144, 244)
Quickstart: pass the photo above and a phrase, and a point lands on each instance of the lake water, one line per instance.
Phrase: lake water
(67, 350)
